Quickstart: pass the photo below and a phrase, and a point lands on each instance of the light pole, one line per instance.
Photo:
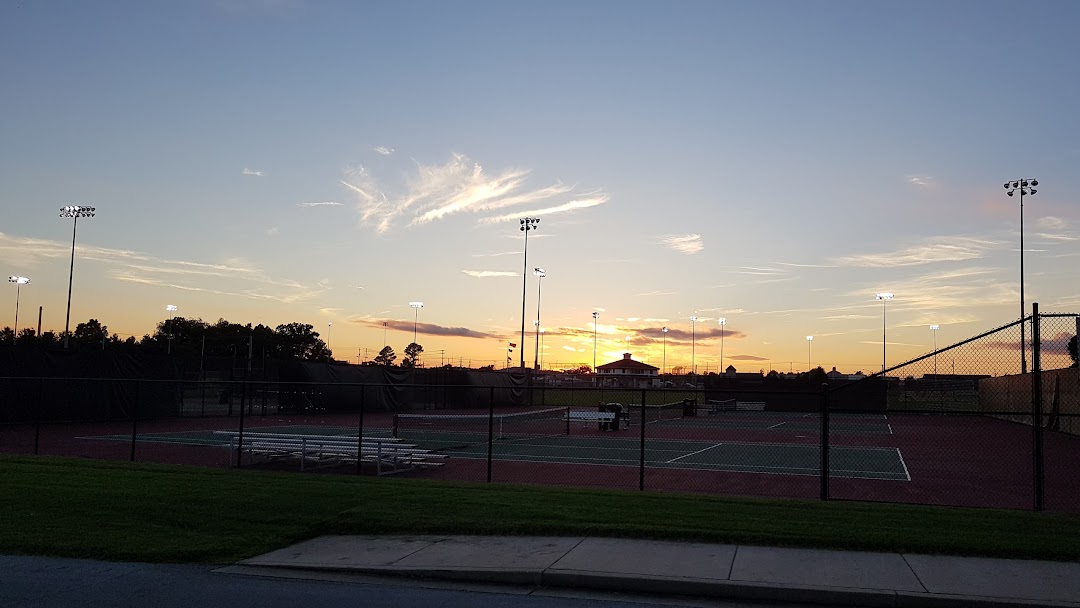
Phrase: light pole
(329, 324)
(884, 296)
(595, 316)
(74, 212)
(539, 272)
(809, 352)
(416, 313)
(1025, 187)
(934, 328)
(19, 282)
(664, 329)
(541, 347)
(527, 224)
(693, 344)
(722, 323)
(628, 344)
(384, 334)
(169, 308)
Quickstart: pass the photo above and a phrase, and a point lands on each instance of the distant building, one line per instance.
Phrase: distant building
(731, 372)
(628, 373)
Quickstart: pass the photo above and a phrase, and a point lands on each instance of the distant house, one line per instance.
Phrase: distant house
(628, 373)
(731, 372)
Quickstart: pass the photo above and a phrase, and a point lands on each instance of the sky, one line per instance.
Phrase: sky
(772, 163)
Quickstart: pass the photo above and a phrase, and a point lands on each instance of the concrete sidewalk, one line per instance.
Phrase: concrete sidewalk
(849, 578)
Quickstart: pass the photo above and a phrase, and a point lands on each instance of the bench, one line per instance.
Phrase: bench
(388, 455)
(601, 418)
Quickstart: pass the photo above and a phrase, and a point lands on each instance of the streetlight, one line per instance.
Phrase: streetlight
(809, 357)
(74, 212)
(934, 328)
(416, 313)
(884, 297)
(539, 272)
(664, 329)
(722, 323)
(693, 344)
(19, 282)
(1025, 187)
(595, 316)
(527, 224)
(169, 308)
(329, 324)
(541, 347)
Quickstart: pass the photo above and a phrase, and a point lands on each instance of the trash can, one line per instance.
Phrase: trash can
(689, 407)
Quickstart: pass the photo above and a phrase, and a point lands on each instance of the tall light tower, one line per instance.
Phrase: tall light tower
(693, 344)
(74, 212)
(541, 348)
(934, 328)
(595, 316)
(416, 313)
(809, 352)
(527, 224)
(664, 330)
(539, 272)
(171, 309)
(722, 323)
(19, 282)
(1024, 186)
(329, 324)
(884, 296)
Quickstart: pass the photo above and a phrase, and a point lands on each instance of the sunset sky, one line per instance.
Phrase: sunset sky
(772, 163)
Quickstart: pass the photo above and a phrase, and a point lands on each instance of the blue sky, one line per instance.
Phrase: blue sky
(772, 163)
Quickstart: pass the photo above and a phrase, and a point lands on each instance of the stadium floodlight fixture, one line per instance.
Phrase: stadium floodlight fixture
(934, 329)
(416, 313)
(884, 296)
(1025, 187)
(809, 358)
(664, 330)
(540, 274)
(169, 308)
(595, 317)
(722, 321)
(19, 282)
(693, 344)
(74, 212)
(526, 224)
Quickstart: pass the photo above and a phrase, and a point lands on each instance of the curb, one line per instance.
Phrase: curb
(693, 587)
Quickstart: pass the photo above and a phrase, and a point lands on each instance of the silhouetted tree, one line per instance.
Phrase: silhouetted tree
(89, 334)
(412, 355)
(386, 356)
(1072, 351)
(299, 341)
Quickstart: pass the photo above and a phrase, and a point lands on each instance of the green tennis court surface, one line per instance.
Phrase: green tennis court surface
(884, 463)
(846, 424)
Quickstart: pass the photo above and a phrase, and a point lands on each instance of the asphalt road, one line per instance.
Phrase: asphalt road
(45, 582)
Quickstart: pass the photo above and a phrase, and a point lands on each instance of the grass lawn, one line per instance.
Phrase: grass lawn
(160, 513)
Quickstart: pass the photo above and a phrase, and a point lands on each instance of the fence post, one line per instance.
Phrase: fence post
(134, 420)
(824, 441)
(491, 428)
(641, 467)
(1036, 403)
(240, 434)
(360, 431)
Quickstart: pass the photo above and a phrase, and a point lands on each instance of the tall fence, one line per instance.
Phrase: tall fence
(985, 422)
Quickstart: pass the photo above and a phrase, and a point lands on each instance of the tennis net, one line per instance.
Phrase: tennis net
(451, 430)
(656, 413)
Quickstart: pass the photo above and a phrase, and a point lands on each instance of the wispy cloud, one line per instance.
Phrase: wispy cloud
(657, 293)
(688, 244)
(458, 186)
(748, 358)
(427, 329)
(383, 150)
(272, 231)
(247, 171)
(941, 249)
(1055, 229)
(484, 274)
(496, 254)
(321, 204)
(919, 180)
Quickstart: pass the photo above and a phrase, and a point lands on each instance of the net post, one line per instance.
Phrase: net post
(360, 431)
(491, 428)
(1036, 405)
(641, 457)
(824, 440)
(134, 420)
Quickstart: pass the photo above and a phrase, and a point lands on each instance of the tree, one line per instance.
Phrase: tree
(412, 355)
(1072, 351)
(299, 341)
(386, 356)
(90, 333)
(581, 369)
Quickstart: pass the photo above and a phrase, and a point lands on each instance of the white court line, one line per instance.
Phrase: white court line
(903, 464)
(776, 425)
(692, 453)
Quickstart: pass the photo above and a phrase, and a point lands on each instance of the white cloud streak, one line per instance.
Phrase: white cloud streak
(383, 150)
(943, 249)
(483, 274)
(688, 244)
(321, 204)
(252, 172)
